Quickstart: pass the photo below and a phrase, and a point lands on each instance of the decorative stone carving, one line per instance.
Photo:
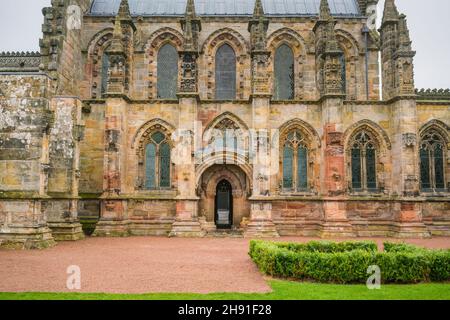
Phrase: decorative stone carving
(328, 54)
(409, 139)
(189, 73)
(335, 138)
(411, 186)
(20, 61)
(112, 139)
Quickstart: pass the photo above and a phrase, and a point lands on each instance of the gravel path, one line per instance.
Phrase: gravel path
(144, 264)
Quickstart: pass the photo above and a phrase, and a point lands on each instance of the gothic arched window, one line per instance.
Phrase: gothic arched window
(225, 137)
(157, 162)
(432, 161)
(167, 80)
(363, 162)
(295, 162)
(104, 73)
(225, 73)
(284, 73)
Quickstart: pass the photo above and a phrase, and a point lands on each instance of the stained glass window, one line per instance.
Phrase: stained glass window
(150, 166)
(302, 168)
(225, 73)
(284, 73)
(371, 167)
(439, 167)
(432, 161)
(295, 162)
(164, 162)
(288, 157)
(363, 162)
(157, 162)
(104, 73)
(356, 168)
(167, 72)
(225, 137)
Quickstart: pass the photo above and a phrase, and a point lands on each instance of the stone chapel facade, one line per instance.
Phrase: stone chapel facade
(201, 117)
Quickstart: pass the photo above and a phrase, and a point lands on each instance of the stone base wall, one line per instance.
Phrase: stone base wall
(366, 218)
(140, 218)
(23, 225)
(29, 223)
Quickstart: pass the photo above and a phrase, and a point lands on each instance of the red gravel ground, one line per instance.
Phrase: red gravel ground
(144, 265)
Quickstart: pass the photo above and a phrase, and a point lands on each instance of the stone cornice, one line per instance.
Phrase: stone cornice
(20, 61)
(433, 94)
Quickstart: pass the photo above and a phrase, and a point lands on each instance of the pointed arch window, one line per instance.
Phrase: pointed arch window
(225, 73)
(157, 162)
(284, 85)
(363, 162)
(432, 161)
(167, 68)
(225, 137)
(295, 162)
(104, 73)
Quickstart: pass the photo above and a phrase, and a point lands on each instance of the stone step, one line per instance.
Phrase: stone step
(235, 233)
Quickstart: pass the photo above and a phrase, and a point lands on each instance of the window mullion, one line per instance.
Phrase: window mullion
(432, 169)
(364, 169)
(295, 169)
(157, 166)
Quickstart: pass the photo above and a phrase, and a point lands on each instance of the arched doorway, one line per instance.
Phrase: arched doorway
(224, 205)
(227, 183)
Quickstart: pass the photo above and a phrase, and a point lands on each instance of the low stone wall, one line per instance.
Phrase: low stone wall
(368, 218)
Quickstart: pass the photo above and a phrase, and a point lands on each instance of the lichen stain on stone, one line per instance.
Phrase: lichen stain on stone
(6, 119)
(61, 139)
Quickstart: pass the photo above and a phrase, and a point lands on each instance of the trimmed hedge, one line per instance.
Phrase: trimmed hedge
(438, 260)
(347, 262)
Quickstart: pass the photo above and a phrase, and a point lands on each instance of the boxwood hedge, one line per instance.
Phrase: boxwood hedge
(347, 262)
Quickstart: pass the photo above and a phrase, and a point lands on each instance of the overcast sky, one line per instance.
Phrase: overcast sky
(429, 23)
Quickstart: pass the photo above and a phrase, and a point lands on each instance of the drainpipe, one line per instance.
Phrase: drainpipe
(365, 31)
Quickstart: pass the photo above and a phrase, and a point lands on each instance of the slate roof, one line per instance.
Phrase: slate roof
(226, 7)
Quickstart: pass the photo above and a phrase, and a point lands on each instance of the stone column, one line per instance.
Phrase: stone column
(25, 119)
(261, 223)
(64, 173)
(329, 68)
(186, 222)
(113, 213)
(333, 186)
(405, 172)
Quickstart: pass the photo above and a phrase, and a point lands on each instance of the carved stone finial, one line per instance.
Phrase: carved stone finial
(403, 32)
(124, 10)
(390, 13)
(190, 9)
(325, 12)
(259, 10)
(116, 44)
(257, 27)
(191, 26)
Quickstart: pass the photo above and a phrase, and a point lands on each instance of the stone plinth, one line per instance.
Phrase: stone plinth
(186, 222)
(335, 223)
(261, 224)
(113, 220)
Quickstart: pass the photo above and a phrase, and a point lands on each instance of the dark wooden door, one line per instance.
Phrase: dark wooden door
(224, 205)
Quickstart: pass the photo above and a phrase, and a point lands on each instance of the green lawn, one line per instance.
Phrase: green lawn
(282, 290)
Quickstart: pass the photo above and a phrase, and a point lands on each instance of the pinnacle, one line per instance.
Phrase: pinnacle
(124, 10)
(390, 11)
(325, 12)
(259, 9)
(190, 9)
